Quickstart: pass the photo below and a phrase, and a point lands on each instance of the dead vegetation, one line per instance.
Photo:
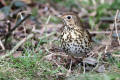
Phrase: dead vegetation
(29, 43)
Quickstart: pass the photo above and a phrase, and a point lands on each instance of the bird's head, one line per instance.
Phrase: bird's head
(69, 19)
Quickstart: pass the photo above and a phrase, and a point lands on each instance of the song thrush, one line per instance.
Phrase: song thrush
(75, 39)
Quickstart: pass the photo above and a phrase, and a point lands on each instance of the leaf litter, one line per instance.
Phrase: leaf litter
(43, 28)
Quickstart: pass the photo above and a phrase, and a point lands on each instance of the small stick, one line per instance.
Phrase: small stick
(9, 28)
(17, 25)
(2, 46)
(48, 19)
(110, 40)
(115, 25)
(110, 35)
(115, 55)
(84, 68)
(20, 22)
(102, 32)
(47, 23)
(16, 47)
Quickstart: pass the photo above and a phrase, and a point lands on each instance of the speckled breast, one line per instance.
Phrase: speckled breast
(75, 43)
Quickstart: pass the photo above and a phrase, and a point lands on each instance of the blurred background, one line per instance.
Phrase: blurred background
(29, 39)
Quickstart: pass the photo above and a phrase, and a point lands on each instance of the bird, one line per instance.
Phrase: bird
(75, 39)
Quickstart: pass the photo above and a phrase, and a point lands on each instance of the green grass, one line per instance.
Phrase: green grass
(29, 66)
(93, 76)
(32, 66)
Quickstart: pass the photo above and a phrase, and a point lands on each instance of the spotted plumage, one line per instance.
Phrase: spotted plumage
(75, 40)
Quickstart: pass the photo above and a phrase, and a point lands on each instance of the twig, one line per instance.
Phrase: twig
(23, 22)
(16, 12)
(110, 40)
(20, 22)
(115, 55)
(48, 20)
(17, 25)
(46, 24)
(84, 68)
(2, 46)
(115, 25)
(106, 48)
(16, 47)
(102, 32)
(9, 28)
(9, 25)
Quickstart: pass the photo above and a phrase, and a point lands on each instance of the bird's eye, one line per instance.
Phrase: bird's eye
(68, 17)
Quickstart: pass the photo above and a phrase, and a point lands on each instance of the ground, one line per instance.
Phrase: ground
(30, 47)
